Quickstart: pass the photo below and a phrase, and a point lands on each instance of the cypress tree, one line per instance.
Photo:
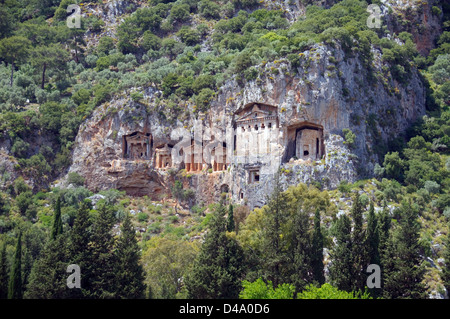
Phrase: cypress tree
(301, 273)
(57, 227)
(373, 242)
(275, 260)
(385, 246)
(3, 272)
(218, 269)
(15, 290)
(129, 273)
(405, 279)
(103, 263)
(317, 251)
(341, 269)
(80, 250)
(359, 252)
(372, 237)
(230, 221)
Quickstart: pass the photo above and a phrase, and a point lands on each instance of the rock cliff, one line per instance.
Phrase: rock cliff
(331, 96)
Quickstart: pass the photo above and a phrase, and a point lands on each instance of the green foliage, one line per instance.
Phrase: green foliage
(349, 137)
(167, 262)
(188, 36)
(407, 269)
(4, 277)
(129, 272)
(75, 179)
(218, 269)
(261, 290)
(327, 291)
(15, 289)
(209, 9)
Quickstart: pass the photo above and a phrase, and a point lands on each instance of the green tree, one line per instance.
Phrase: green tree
(274, 258)
(167, 262)
(404, 281)
(327, 291)
(129, 271)
(372, 242)
(261, 290)
(218, 269)
(359, 251)
(301, 251)
(14, 50)
(51, 56)
(230, 219)
(15, 289)
(3, 272)
(394, 166)
(80, 249)
(104, 262)
(372, 236)
(48, 278)
(57, 227)
(341, 269)
(317, 251)
(177, 193)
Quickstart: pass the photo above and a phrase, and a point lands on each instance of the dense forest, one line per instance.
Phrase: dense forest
(307, 242)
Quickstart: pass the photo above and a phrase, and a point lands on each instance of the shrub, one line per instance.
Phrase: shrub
(179, 13)
(209, 9)
(188, 36)
(349, 137)
(105, 44)
(202, 82)
(260, 290)
(432, 187)
(150, 41)
(203, 99)
(344, 187)
(327, 291)
(82, 96)
(75, 179)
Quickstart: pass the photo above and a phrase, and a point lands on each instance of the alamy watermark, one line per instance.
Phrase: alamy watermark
(74, 19)
(374, 280)
(74, 280)
(374, 19)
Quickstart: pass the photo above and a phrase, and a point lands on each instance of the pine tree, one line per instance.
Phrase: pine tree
(405, 279)
(80, 250)
(317, 251)
(341, 269)
(301, 273)
(15, 290)
(359, 252)
(230, 220)
(3, 272)
(57, 227)
(129, 272)
(218, 269)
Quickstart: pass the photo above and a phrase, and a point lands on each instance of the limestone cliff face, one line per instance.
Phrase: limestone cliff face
(327, 96)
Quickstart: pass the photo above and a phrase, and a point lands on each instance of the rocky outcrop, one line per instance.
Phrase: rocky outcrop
(329, 95)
